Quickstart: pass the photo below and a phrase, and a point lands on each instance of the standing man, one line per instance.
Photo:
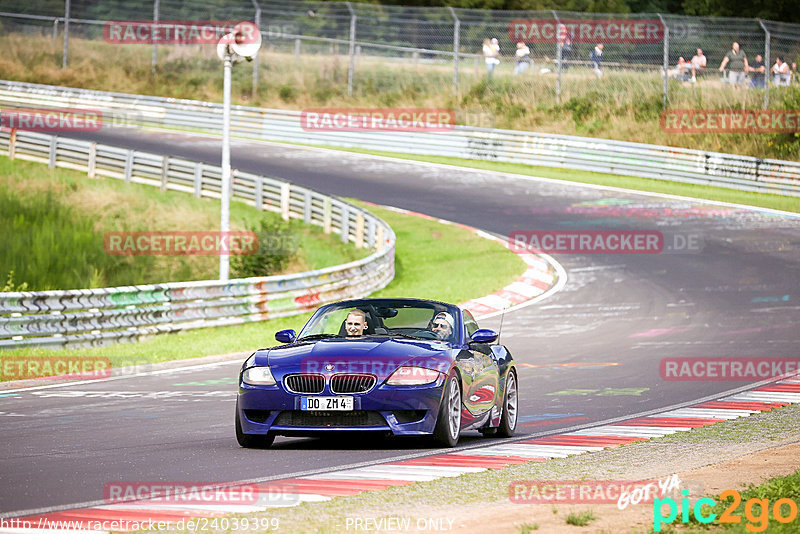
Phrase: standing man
(736, 61)
(758, 69)
(596, 59)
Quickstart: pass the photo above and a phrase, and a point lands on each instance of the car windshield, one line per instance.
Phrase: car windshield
(383, 317)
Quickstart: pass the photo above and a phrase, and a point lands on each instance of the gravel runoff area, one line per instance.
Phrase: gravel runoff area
(727, 455)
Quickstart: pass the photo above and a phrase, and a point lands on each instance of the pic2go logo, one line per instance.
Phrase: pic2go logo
(756, 521)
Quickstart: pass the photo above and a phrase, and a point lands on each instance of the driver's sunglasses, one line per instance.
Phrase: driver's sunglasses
(440, 325)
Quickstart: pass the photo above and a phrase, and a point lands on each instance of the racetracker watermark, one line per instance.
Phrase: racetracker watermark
(52, 120)
(619, 492)
(603, 242)
(180, 243)
(177, 31)
(726, 369)
(416, 368)
(586, 31)
(181, 492)
(377, 119)
(72, 367)
(730, 120)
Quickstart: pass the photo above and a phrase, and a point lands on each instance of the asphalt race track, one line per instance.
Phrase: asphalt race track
(589, 353)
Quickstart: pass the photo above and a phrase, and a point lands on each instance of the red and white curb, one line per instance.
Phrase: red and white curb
(543, 277)
(323, 487)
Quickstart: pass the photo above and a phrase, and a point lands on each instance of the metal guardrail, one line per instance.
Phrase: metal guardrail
(90, 317)
(569, 152)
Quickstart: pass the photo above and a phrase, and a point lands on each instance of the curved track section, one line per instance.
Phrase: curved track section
(589, 353)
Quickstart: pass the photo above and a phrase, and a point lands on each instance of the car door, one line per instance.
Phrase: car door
(479, 397)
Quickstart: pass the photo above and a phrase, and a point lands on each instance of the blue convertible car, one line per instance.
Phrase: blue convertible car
(399, 366)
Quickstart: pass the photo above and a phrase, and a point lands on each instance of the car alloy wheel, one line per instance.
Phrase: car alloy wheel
(448, 426)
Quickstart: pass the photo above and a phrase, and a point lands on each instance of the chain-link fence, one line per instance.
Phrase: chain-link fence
(564, 55)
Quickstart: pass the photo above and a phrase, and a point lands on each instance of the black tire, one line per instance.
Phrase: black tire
(251, 441)
(508, 420)
(448, 424)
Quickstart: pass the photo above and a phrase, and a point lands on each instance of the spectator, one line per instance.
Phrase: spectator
(736, 61)
(682, 72)
(565, 42)
(782, 72)
(698, 64)
(596, 60)
(758, 69)
(523, 55)
(491, 54)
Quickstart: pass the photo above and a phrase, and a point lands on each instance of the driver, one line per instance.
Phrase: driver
(443, 325)
(356, 323)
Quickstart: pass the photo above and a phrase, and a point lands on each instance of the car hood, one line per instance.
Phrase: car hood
(374, 355)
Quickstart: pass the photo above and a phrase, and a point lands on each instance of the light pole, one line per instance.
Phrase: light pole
(242, 43)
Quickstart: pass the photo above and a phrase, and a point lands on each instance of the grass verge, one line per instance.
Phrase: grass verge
(425, 250)
(54, 221)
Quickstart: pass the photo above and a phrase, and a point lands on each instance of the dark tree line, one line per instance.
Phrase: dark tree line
(776, 10)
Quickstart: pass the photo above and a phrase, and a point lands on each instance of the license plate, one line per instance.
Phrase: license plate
(327, 404)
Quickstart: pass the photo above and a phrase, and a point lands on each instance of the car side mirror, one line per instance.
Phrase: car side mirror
(286, 336)
(483, 335)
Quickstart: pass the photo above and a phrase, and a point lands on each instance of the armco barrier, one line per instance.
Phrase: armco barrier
(569, 152)
(85, 317)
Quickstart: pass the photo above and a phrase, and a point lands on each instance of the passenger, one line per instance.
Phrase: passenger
(356, 323)
(443, 325)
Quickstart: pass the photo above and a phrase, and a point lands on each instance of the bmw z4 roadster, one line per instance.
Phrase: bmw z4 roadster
(399, 366)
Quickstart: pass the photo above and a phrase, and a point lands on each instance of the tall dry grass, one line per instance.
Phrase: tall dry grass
(622, 105)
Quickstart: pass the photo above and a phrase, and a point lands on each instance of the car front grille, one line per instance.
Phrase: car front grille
(304, 383)
(330, 419)
(352, 383)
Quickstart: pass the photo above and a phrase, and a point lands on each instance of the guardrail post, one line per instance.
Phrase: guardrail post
(128, 166)
(12, 142)
(259, 193)
(326, 215)
(164, 171)
(198, 179)
(92, 160)
(345, 227)
(55, 28)
(297, 49)
(285, 191)
(379, 238)
(371, 232)
(52, 159)
(307, 207)
(359, 230)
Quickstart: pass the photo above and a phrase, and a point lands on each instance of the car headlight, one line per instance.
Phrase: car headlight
(258, 376)
(413, 376)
